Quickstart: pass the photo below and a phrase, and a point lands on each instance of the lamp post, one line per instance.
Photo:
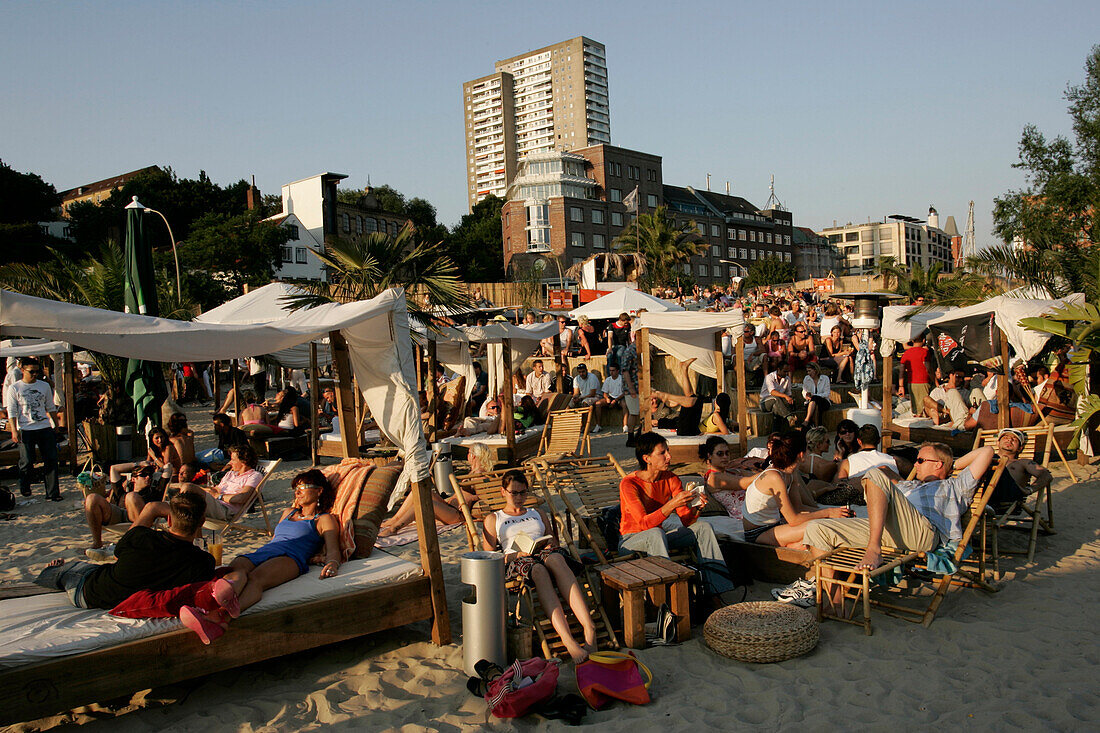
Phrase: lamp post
(135, 204)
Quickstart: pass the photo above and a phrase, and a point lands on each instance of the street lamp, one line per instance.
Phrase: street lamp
(744, 271)
(145, 209)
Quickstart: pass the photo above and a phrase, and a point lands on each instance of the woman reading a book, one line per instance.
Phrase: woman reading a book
(531, 554)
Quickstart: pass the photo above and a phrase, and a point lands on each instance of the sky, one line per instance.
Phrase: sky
(859, 109)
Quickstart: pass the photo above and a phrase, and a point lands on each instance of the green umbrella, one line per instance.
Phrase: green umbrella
(144, 381)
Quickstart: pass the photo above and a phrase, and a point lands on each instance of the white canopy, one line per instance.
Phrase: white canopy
(263, 305)
(32, 347)
(523, 339)
(1007, 312)
(624, 300)
(690, 335)
(896, 328)
(375, 330)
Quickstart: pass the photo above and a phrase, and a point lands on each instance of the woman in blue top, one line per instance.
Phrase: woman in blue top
(305, 530)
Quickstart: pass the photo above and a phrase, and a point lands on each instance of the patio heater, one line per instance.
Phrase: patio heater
(866, 318)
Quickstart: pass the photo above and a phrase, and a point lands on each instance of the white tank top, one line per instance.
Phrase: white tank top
(528, 523)
(760, 509)
(863, 461)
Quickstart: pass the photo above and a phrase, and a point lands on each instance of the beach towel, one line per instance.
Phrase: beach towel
(408, 534)
(348, 477)
(607, 676)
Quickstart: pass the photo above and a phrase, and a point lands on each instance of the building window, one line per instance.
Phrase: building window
(752, 254)
(715, 251)
(287, 254)
(300, 255)
(854, 236)
(292, 232)
(651, 175)
(716, 270)
(787, 256)
(651, 201)
(597, 216)
(787, 239)
(714, 230)
(615, 195)
(358, 224)
(371, 225)
(576, 213)
(702, 228)
(347, 223)
(741, 234)
(686, 268)
(744, 253)
(598, 241)
(394, 228)
(577, 239)
(616, 219)
(702, 270)
(731, 252)
(731, 234)
(768, 237)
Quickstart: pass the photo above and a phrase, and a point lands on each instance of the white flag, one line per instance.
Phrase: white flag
(631, 200)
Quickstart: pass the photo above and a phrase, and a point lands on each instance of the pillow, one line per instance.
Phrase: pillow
(373, 501)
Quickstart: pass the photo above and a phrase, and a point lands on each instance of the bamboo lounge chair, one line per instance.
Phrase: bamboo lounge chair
(256, 495)
(856, 584)
(565, 434)
(487, 488)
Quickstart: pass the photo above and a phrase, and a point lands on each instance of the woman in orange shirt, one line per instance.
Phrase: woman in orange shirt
(658, 514)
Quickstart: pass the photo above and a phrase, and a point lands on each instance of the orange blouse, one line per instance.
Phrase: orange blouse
(641, 502)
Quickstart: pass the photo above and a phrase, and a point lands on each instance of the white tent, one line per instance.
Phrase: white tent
(524, 339)
(624, 300)
(1007, 312)
(688, 335)
(263, 305)
(32, 347)
(897, 328)
(375, 330)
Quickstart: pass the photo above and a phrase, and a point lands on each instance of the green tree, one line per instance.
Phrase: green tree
(770, 271)
(364, 267)
(665, 243)
(1056, 216)
(27, 198)
(390, 199)
(233, 250)
(476, 242)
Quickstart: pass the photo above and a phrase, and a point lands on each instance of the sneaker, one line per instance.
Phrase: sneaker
(801, 593)
(101, 554)
(596, 429)
(626, 429)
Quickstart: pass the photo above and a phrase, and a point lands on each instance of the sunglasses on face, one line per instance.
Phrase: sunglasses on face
(847, 432)
(928, 460)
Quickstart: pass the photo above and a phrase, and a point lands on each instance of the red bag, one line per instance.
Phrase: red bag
(608, 676)
(506, 700)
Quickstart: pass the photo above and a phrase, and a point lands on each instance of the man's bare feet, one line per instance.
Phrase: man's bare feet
(872, 558)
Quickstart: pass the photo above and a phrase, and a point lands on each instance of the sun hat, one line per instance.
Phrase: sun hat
(1020, 435)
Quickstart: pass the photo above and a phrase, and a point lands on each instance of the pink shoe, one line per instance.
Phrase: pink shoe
(226, 597)
(194, 619)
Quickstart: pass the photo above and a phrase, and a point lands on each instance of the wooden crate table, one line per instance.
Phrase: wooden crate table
(652, 576)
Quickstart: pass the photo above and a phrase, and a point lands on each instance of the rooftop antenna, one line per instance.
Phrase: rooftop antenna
(968, 249)
(773, 201)
(727, 188)
(708, 181)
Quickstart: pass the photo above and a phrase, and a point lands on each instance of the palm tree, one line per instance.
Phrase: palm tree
(96, 281)
(631, 265)
(963, 287)
(662, 241)
(364, 267)
(1058, 270)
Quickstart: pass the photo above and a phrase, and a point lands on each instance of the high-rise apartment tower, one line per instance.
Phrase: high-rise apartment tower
(554, 98)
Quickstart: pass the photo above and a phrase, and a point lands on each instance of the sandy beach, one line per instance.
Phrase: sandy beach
(1026, 658)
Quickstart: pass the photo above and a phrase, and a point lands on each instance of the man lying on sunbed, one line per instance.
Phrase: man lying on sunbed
(148, 559)
(915, 516)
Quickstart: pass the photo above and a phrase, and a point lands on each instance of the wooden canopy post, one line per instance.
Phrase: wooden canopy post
(887, 399)
(719, 364)
(1003, 409)
(234, 377)
(217, 385)
(742, 395)
(431, 390)
(68, 389)
(314, 396)
(560, 360)
(428, 541)
(345, 400)
(507, 418)
(645, 388)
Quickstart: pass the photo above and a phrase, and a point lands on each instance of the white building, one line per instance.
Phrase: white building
(309, 211)
(908, 240)
(297, 262)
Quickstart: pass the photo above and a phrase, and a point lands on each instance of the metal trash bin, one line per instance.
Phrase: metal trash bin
(442, 468)
(483, 610)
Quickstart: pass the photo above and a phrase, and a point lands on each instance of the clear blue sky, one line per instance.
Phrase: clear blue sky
(858, 109)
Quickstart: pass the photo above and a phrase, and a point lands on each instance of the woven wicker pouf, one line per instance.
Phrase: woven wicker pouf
(761, 631)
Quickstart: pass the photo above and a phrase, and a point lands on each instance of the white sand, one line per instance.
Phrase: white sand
(1025, 658)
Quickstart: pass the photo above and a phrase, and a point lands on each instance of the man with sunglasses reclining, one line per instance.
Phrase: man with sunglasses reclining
(917, 515)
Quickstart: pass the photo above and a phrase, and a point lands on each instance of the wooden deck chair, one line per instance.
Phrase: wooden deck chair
(1028, 512)
(486, 487)
(856, 584)
(594, 482)
(257, 495)
(565, 435)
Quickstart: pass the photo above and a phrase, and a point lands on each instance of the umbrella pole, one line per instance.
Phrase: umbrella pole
(431, 391)
(69, 390)
(217, 386)
(1003, 411)
(314, 394)
(234, 377)
(887, 399)
(742, 396)
(645, 389)
(507, 418)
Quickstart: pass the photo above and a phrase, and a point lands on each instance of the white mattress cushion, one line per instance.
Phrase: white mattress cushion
(43, 627)
(674, 439)
(497, 439)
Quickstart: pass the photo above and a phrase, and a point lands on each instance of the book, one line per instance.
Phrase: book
(524, 543)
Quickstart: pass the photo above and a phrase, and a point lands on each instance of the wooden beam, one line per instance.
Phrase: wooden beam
(645, 387)
(560, 361)
(235, 378)
(507, 398)
(345, 400)
(431, 390)
(719, 364)
(430, 561)
(742, 394)
(1003, 409)
(314, 396)
(887, 399)
(217, 385)
(68, 389)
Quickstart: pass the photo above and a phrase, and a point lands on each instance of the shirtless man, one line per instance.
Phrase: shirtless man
(1022, 476)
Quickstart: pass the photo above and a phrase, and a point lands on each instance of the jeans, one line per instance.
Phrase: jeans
(614, 354)
(776, 406)
(213, 455)
(46, 442)
(700, 535)
(70, 578)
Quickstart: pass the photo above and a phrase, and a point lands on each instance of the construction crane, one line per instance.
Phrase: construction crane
(967, 249)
